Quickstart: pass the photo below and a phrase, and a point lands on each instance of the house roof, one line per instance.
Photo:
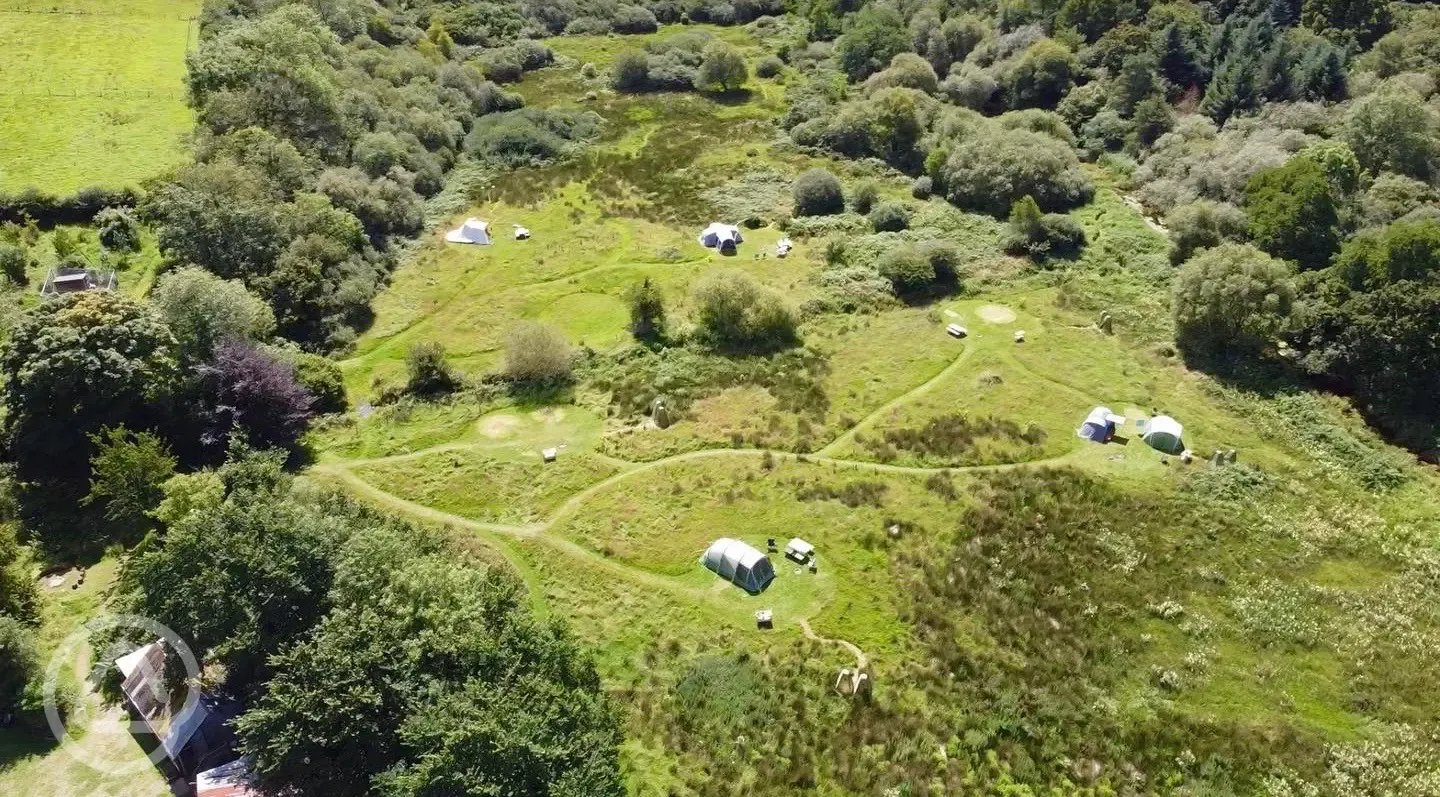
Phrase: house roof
(228, 780)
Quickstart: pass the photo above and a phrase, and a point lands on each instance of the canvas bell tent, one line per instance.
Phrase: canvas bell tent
(1164, 433)
(721, 236)
(1100, 425)
(739, 564)
(473, 231)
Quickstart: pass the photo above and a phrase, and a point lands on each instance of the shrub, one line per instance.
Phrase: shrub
(862, 199)
(723, 66)
(537, 353)
(769, 67)
(889, 217)
(427, 373)
(322, 377)
(908, 270)
(1040, 76)
(992, 169)
(119, 231)
(1390, 197)
(971, 87)
(503, 66)
(922, 187)
(647, 312)
(633, 19)
(1232, 297)
(631, 71)
(1042, 235)
(14, 260)
(736, 314)
(1201, 225)
(19, 661)
(818, 193)
(906, 70)
(529, 136)
(944, 257)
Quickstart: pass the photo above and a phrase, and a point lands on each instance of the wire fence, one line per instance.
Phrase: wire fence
(114, 93)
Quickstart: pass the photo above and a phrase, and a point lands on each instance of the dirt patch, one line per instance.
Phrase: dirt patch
(996, 314)
(550, 415)
(497, 427)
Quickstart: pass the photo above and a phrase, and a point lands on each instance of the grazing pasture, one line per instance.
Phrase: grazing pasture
(92, 92)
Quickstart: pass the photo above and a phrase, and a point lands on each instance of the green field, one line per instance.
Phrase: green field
(1253, 615)
(91, 92)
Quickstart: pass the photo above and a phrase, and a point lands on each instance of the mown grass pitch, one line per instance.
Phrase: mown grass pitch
(92, 91)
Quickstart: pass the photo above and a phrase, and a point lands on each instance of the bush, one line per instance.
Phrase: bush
(538, 354)
(889, 217)
(906, 70)
(14, 260)
(862, 199)
(738, 315)
(992, 169)
(908, 270)
(769, 67)
(427, 373)
(503, 66)
(1042, 235)
(818, 193)
(631, 71)
(922, 187)
(1232, 297)
(1391, 196)
(119, 230)
(723, 66)
(529, 136)
(634, 19)
(1201, 225)
(322, 377)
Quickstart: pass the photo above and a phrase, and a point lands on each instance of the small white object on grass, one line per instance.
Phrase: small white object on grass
(549, 454)
(957, 331)
(1019, 336)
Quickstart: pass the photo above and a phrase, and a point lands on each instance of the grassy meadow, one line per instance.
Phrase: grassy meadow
(92, 92)
(1021, 598)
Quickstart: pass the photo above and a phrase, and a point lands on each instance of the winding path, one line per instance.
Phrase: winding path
(500, 535)
(861, 660)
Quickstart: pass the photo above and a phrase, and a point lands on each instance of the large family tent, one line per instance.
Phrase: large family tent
(739, 564)
(721, 236)
(1164, 433)
(1099, 426)
(473, 231)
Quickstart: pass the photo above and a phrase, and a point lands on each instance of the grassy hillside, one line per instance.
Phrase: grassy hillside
(91, 93)
(1033, 608)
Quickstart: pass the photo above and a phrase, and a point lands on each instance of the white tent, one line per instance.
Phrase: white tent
(739, 564)
(783, 247)
(473, 231)
(1164, 433)
(721, 236)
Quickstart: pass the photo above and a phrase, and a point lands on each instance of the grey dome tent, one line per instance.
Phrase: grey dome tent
(1164, 433)
(739, 564)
